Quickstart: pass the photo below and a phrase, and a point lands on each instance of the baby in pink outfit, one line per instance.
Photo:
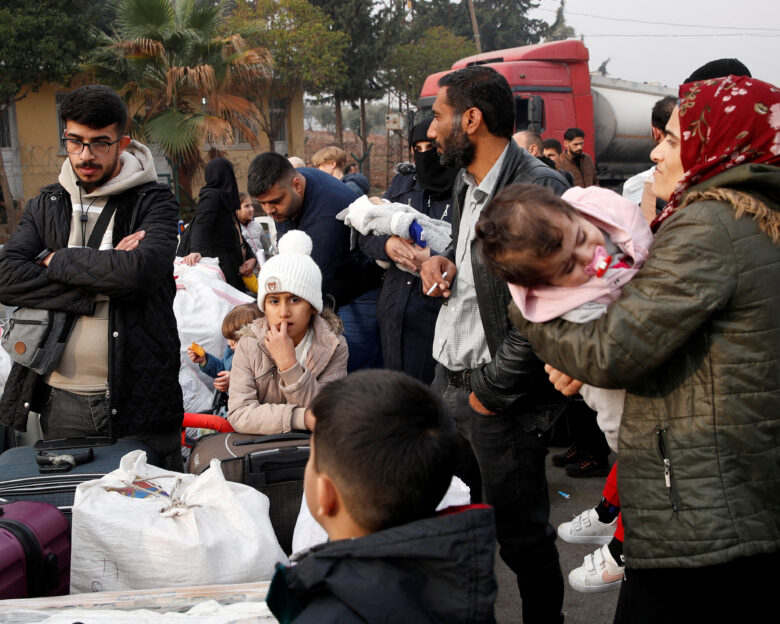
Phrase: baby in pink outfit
(566, 257)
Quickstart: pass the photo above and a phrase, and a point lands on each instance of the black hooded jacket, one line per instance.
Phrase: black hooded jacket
(439, 569)
(143, 362)
(215, 229)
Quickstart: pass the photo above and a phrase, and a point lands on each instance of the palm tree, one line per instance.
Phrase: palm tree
(184, 80)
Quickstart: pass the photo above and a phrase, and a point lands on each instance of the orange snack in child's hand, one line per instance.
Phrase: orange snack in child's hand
(198, 350)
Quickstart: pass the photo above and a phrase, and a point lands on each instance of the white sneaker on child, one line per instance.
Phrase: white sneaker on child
(587, 529)
(599, 572)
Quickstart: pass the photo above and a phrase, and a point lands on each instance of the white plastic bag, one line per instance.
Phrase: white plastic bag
(308, 532)
(203, 298)
(5, 365)
(141, 527)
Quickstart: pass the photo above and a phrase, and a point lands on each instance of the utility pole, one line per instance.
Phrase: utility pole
(474, 25)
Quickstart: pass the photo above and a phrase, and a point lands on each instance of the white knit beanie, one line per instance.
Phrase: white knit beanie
(292, 270)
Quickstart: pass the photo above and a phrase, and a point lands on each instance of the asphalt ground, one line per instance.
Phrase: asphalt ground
(578, 608)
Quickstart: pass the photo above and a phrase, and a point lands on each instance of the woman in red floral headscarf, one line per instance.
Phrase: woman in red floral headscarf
(695, 339)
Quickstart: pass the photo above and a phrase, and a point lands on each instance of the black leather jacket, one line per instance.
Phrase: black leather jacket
(514, 380)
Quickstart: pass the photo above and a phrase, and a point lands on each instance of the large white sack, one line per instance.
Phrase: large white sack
(202, 301)
(183, 530)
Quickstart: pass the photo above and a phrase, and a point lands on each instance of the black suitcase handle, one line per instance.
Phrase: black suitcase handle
(71, 443)
(264, 468)
(274, 437)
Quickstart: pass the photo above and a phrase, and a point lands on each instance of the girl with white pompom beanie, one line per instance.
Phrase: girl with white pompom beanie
(282, 359)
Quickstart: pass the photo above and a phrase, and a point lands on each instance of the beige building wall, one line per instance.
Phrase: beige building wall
(39, 152)
(41, 156)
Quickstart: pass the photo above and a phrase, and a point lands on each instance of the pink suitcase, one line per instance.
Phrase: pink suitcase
(34, 550)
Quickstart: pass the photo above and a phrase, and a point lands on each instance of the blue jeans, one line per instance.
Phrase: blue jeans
(68, 415)
(514, 478)
(362, 332)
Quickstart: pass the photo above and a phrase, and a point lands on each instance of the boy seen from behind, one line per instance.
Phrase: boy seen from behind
(381, 459)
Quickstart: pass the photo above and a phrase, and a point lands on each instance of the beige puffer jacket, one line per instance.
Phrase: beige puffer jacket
(263, 400)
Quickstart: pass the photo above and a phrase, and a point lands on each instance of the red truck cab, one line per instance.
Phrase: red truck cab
(550, 83)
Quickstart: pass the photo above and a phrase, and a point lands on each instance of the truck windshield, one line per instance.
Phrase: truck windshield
(529, 113)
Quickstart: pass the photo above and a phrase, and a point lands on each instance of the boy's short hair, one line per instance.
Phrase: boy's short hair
(238, 317)
(573, 133)
(333, 154)
(662, 111)
(95, 106)
(267, 169)
(387, 443)
(517, 225)
(553, 144)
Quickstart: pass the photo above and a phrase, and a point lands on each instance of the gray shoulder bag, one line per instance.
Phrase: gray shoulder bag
(36, 338)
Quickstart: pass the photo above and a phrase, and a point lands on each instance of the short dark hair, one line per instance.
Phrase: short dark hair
(719, 68)
(662, 111)
(533, 138)
(238, 317)
(573, 133)
(95, 106)
(553, 144)
(482, 87)
(518, 221)
(265, 170)
(387, 443)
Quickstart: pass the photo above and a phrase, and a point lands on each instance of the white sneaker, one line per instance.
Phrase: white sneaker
(599, 572)
(587, 529)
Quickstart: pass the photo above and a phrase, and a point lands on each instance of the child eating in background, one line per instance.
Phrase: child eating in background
(567, 257)
(382, 456)
(210, 364)
(284, 358)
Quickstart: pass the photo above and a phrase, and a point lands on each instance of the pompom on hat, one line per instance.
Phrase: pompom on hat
(292, 270)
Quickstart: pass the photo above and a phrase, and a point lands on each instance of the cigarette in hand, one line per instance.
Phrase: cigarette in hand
(432, 288)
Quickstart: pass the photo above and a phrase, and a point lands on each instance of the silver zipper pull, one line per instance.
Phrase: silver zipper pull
(668, 473)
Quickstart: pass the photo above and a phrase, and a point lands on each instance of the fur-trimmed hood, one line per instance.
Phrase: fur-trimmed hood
(750, 189)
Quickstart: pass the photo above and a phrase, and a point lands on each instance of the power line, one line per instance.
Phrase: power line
(670, 35)
(636, 21)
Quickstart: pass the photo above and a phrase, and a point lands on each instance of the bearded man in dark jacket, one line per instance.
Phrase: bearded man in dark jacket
(490, 379)
(118, 375)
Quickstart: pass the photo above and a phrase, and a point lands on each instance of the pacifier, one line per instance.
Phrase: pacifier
(600, 263)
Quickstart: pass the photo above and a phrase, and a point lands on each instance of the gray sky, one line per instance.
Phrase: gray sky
(676, 36)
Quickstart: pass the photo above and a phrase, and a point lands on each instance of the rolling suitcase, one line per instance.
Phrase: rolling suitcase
(44, 472)
(34, 550)
(272, 464)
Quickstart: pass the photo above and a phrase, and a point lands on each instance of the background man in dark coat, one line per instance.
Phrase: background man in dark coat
(309, 199)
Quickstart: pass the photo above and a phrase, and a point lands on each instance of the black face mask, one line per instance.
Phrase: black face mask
(432, 175)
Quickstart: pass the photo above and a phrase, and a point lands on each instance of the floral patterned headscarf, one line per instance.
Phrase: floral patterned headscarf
(724, 122)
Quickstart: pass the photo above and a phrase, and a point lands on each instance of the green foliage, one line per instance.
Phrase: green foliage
(323, 113)
(436, 50)
(371, 29)
(306, 51)
(559, 30)
(502, 23)
(183, 76)
(375, 118)
(41, 41)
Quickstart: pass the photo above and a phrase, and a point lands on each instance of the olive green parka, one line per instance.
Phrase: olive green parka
(695, 340)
